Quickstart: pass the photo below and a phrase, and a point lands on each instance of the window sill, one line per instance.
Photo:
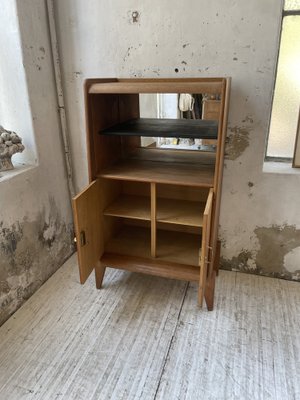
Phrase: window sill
(19, 169)
(273, 167)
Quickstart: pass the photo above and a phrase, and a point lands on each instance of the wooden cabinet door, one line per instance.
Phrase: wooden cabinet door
(205, 246)
(88, 228)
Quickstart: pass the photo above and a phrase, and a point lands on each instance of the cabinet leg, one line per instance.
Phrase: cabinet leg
(210, 291)
(99, 274)
(217, 257)
(200, 295)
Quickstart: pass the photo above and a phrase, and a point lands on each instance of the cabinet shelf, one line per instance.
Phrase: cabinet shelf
(180, 212)
(161, 172)
(151, 267)
(176, 247)
(152, 127)
(171, 211)
(128, 206)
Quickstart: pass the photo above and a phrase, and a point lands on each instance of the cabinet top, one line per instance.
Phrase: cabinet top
(193, 85)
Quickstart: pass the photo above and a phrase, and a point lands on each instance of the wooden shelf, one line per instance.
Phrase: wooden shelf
(151, 267)
(137, 86)
(179, 212)
(128, 206)
(161, 172)
(173, 247)
(152, 127)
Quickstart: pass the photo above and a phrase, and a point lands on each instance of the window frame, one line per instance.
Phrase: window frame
(285, 13)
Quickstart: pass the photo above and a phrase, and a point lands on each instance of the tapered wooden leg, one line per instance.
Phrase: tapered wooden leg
(210, 291)
(217, 257)
(99, 274)
(202, 283)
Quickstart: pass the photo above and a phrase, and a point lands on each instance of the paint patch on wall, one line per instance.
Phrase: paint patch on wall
(277, 255)
(275, 243)
(30, 252)
(244, 261)
(236, 142)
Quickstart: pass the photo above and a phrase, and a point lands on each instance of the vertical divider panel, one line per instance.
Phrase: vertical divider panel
(153, 219)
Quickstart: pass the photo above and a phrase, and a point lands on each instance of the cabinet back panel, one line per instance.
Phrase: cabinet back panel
(164, 226)
(106, 110)
(110, 190)
(104, 151)
(182, 192)
(129, 108)
(136, 188)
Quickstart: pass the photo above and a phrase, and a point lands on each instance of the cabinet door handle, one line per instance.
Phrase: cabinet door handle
(82, 239)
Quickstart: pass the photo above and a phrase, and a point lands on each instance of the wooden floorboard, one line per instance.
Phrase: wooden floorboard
(143, 337)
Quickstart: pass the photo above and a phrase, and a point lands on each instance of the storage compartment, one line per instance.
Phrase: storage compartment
(133, 201)
(135, 240)
(181, 205)
(130, 249)
(150, 209)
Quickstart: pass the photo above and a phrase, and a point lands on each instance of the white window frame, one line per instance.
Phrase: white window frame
(285, 13)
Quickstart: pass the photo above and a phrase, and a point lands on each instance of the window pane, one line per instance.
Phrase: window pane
(292, 5)
(287, 92)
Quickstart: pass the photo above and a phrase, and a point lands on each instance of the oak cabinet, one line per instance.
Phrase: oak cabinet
(149, 209)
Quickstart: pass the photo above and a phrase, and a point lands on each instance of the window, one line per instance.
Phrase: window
(286, 99)
(15, 109)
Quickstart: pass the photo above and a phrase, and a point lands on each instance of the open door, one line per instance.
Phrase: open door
(87, 220)
(205, 246)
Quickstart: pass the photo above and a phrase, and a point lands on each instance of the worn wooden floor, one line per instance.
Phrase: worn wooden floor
(143, 337)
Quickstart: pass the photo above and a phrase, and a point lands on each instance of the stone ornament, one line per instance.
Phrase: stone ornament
(10, 143)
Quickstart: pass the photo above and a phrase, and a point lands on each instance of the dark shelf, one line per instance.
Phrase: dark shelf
(151, 127)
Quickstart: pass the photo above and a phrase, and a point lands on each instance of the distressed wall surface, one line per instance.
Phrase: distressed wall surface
(35, 212)
(260, 218)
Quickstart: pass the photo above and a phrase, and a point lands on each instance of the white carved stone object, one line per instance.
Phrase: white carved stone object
(10, 143)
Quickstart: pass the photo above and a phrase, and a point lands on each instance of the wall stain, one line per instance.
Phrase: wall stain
(248, 119)
(30, 252)
(134, 17)
(241, 262)
(275, 242)
(250, 186)
(236, 142)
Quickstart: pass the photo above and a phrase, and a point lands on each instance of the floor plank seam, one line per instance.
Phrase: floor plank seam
(171, 341)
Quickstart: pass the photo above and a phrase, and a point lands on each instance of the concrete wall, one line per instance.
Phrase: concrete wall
(260, 219)
(35, 212)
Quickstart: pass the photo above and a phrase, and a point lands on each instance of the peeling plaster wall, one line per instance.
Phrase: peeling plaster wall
(35, 212)
(260, 218)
